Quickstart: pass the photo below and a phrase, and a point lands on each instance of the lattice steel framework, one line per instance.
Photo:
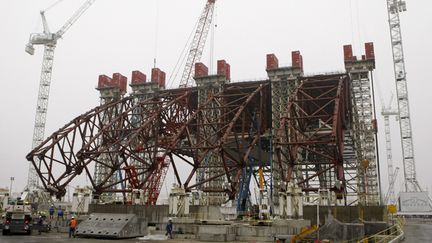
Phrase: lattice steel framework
(387, 112)
(107, 95)
(210, 117)
(41, 110)
(394, 7)
(222, 133)
(170, 123)
(363, 132)
(198, 42)
(312, 131)
(155, 178)
(283, 83)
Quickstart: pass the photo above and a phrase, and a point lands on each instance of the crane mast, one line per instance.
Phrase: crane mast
(387, 112)
(390, 197)
(393, 8)
(198, 42)
(49, 41)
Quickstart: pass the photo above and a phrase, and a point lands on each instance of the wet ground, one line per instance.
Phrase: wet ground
(418, 231)
(415, 231)
(63, 237)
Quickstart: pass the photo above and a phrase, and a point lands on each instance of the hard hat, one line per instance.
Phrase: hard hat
(170, 219)
(73, 217)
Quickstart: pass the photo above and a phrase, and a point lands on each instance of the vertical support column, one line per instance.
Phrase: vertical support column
(294, 202)
(142, 91)
(360, 72)
(178, 202)
(110, 89)
(208, 124)
(283, 80)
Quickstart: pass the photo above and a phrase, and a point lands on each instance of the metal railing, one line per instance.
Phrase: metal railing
(390, 235)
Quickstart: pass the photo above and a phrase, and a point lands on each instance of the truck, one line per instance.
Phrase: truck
(17, 218)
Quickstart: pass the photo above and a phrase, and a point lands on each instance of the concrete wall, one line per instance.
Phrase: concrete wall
(153, 213)
(346, 214)
(336, 231)
(158, 213)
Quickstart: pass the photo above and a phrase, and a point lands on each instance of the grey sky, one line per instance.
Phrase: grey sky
(120, 36)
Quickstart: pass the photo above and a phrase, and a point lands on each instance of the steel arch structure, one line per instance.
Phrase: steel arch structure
(75, 148)
(185, 127)
(151, 133)
(310, 140)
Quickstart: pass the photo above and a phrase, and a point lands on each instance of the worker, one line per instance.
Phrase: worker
(60, 214)
(51, 211)
(169, 228)
(40, 224)
(72, 226)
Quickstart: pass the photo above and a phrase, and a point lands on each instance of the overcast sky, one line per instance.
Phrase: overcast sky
(121, 36)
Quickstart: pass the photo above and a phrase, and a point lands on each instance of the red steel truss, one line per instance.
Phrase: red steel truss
(141, 138)
(310, 141)
(227, 123)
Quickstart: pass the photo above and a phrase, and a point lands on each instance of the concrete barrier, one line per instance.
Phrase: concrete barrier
(115, 226)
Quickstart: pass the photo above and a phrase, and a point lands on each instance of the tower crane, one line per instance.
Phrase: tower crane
(49, 40)
(390, 197)
(197, 44)
(410, 182)
(388, 111)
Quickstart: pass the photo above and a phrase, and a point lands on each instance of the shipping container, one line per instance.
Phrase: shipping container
(224, 69)
(221, 65)
(272, 62)
(296, 59)
(301, 62)
(123, 84)
(155, 75)
(348, 53)
(162, 78)
(103, 81)
(369, 48)
(201, 70)
(158, 76)
(138, 77)
(228, 72)
(119, 81)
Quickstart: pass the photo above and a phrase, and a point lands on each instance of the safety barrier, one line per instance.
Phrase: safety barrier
(392, 234)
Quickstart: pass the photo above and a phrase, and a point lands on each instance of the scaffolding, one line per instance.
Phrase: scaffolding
(364, 125)
(110, 91)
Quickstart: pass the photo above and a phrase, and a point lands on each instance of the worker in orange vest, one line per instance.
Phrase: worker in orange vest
(72, 226)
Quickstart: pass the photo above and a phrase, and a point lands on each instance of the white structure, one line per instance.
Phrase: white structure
(394, 7)
(387, 111)
(178, 202)
(411, 184)
(81, 200)
(291, 202)
(49, 41)
(198, 43)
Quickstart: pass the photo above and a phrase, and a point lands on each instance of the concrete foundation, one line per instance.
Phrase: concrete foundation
(207, 223)
(372, 228)
(345, 214)
(219, 233)
(336, 231)
(111, 225)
